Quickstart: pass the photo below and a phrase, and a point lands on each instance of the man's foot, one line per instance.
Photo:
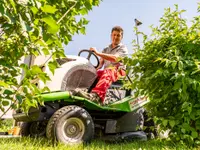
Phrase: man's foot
(90, 96)
(83, 93)
(76, 91)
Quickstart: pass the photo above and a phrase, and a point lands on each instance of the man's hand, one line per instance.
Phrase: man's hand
(93, 49)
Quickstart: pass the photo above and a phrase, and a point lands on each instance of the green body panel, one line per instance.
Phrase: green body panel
(127, 104)
(55, 96)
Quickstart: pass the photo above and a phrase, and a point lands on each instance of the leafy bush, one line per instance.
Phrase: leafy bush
(33, 27)
(167, 70)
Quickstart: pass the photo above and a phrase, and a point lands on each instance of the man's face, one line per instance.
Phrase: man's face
(116, 37)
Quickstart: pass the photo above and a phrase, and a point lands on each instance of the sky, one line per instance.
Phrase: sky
(123, 12)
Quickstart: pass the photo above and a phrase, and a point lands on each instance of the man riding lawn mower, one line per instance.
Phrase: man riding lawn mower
(85, 103)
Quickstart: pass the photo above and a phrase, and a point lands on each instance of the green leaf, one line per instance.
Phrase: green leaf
(45, 89)
(45, 51)
(82, 30)
(52, 66)
(194, 134)
(186, 126)
(19, 98)
(164, 122)
(88, 4)
(174, 63)
(177, 85)
(85, 21)
(24, 66)
(185, 105)
(180, 65)
(158, 59)
(3, 84)
(41, 43)
(172, 123)
(36, 69)
(194, 85)
(83, 11)
(197, 105)
(2, 9)
(189, 109)
(13, 5)
(183, 130)
(53, 27)
(44, 78)
(49, 9)
(167, 63)
(5, 103)
(197, 124)
(8, 92)
(196, 71)
(34, 10)
(22, 23)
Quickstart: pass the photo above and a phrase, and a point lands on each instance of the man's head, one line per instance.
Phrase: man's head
(116, 35)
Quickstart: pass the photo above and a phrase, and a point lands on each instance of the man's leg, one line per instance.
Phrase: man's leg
(98, 93)
(105, 80)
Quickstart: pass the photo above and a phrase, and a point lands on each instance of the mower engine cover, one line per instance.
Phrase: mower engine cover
(74, 72)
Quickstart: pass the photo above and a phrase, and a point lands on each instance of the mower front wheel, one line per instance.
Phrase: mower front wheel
(70, 124)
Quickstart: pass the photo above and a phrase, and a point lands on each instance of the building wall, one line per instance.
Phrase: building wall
(29, 60)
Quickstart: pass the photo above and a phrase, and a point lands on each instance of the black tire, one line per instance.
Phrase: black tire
(149, 126)
(146, 124)
(70, 124)
(140, 120)
(34, 129)
(24, 131)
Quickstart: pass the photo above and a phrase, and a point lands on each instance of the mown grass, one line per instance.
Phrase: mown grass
(5, 125)
(44, 144)
(28, 143)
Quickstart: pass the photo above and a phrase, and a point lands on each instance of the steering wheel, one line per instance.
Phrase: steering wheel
(90, 53)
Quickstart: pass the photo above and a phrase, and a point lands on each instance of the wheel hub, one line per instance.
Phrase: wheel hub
(73, 129)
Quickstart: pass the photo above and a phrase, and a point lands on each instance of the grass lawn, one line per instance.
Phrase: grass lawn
(27, 143)
(44, 144)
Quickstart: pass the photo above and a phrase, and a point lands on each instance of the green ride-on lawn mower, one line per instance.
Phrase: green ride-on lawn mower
(73, 119)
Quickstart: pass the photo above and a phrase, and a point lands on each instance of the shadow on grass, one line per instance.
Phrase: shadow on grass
(155, 144)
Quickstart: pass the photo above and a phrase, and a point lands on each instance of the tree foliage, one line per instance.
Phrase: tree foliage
(33, 27)
(167, 70)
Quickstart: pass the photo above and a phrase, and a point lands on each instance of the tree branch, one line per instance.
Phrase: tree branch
(7, 109)
(66, 12)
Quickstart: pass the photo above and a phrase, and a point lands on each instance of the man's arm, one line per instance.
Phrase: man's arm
(109, 57)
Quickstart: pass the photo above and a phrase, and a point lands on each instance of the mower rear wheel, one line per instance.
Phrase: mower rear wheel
(36, 129)
(70, 124)
(140, 119)
(150, 126)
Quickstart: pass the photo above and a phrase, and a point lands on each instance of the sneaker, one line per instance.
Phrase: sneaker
(91, 96)
(76, 91)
